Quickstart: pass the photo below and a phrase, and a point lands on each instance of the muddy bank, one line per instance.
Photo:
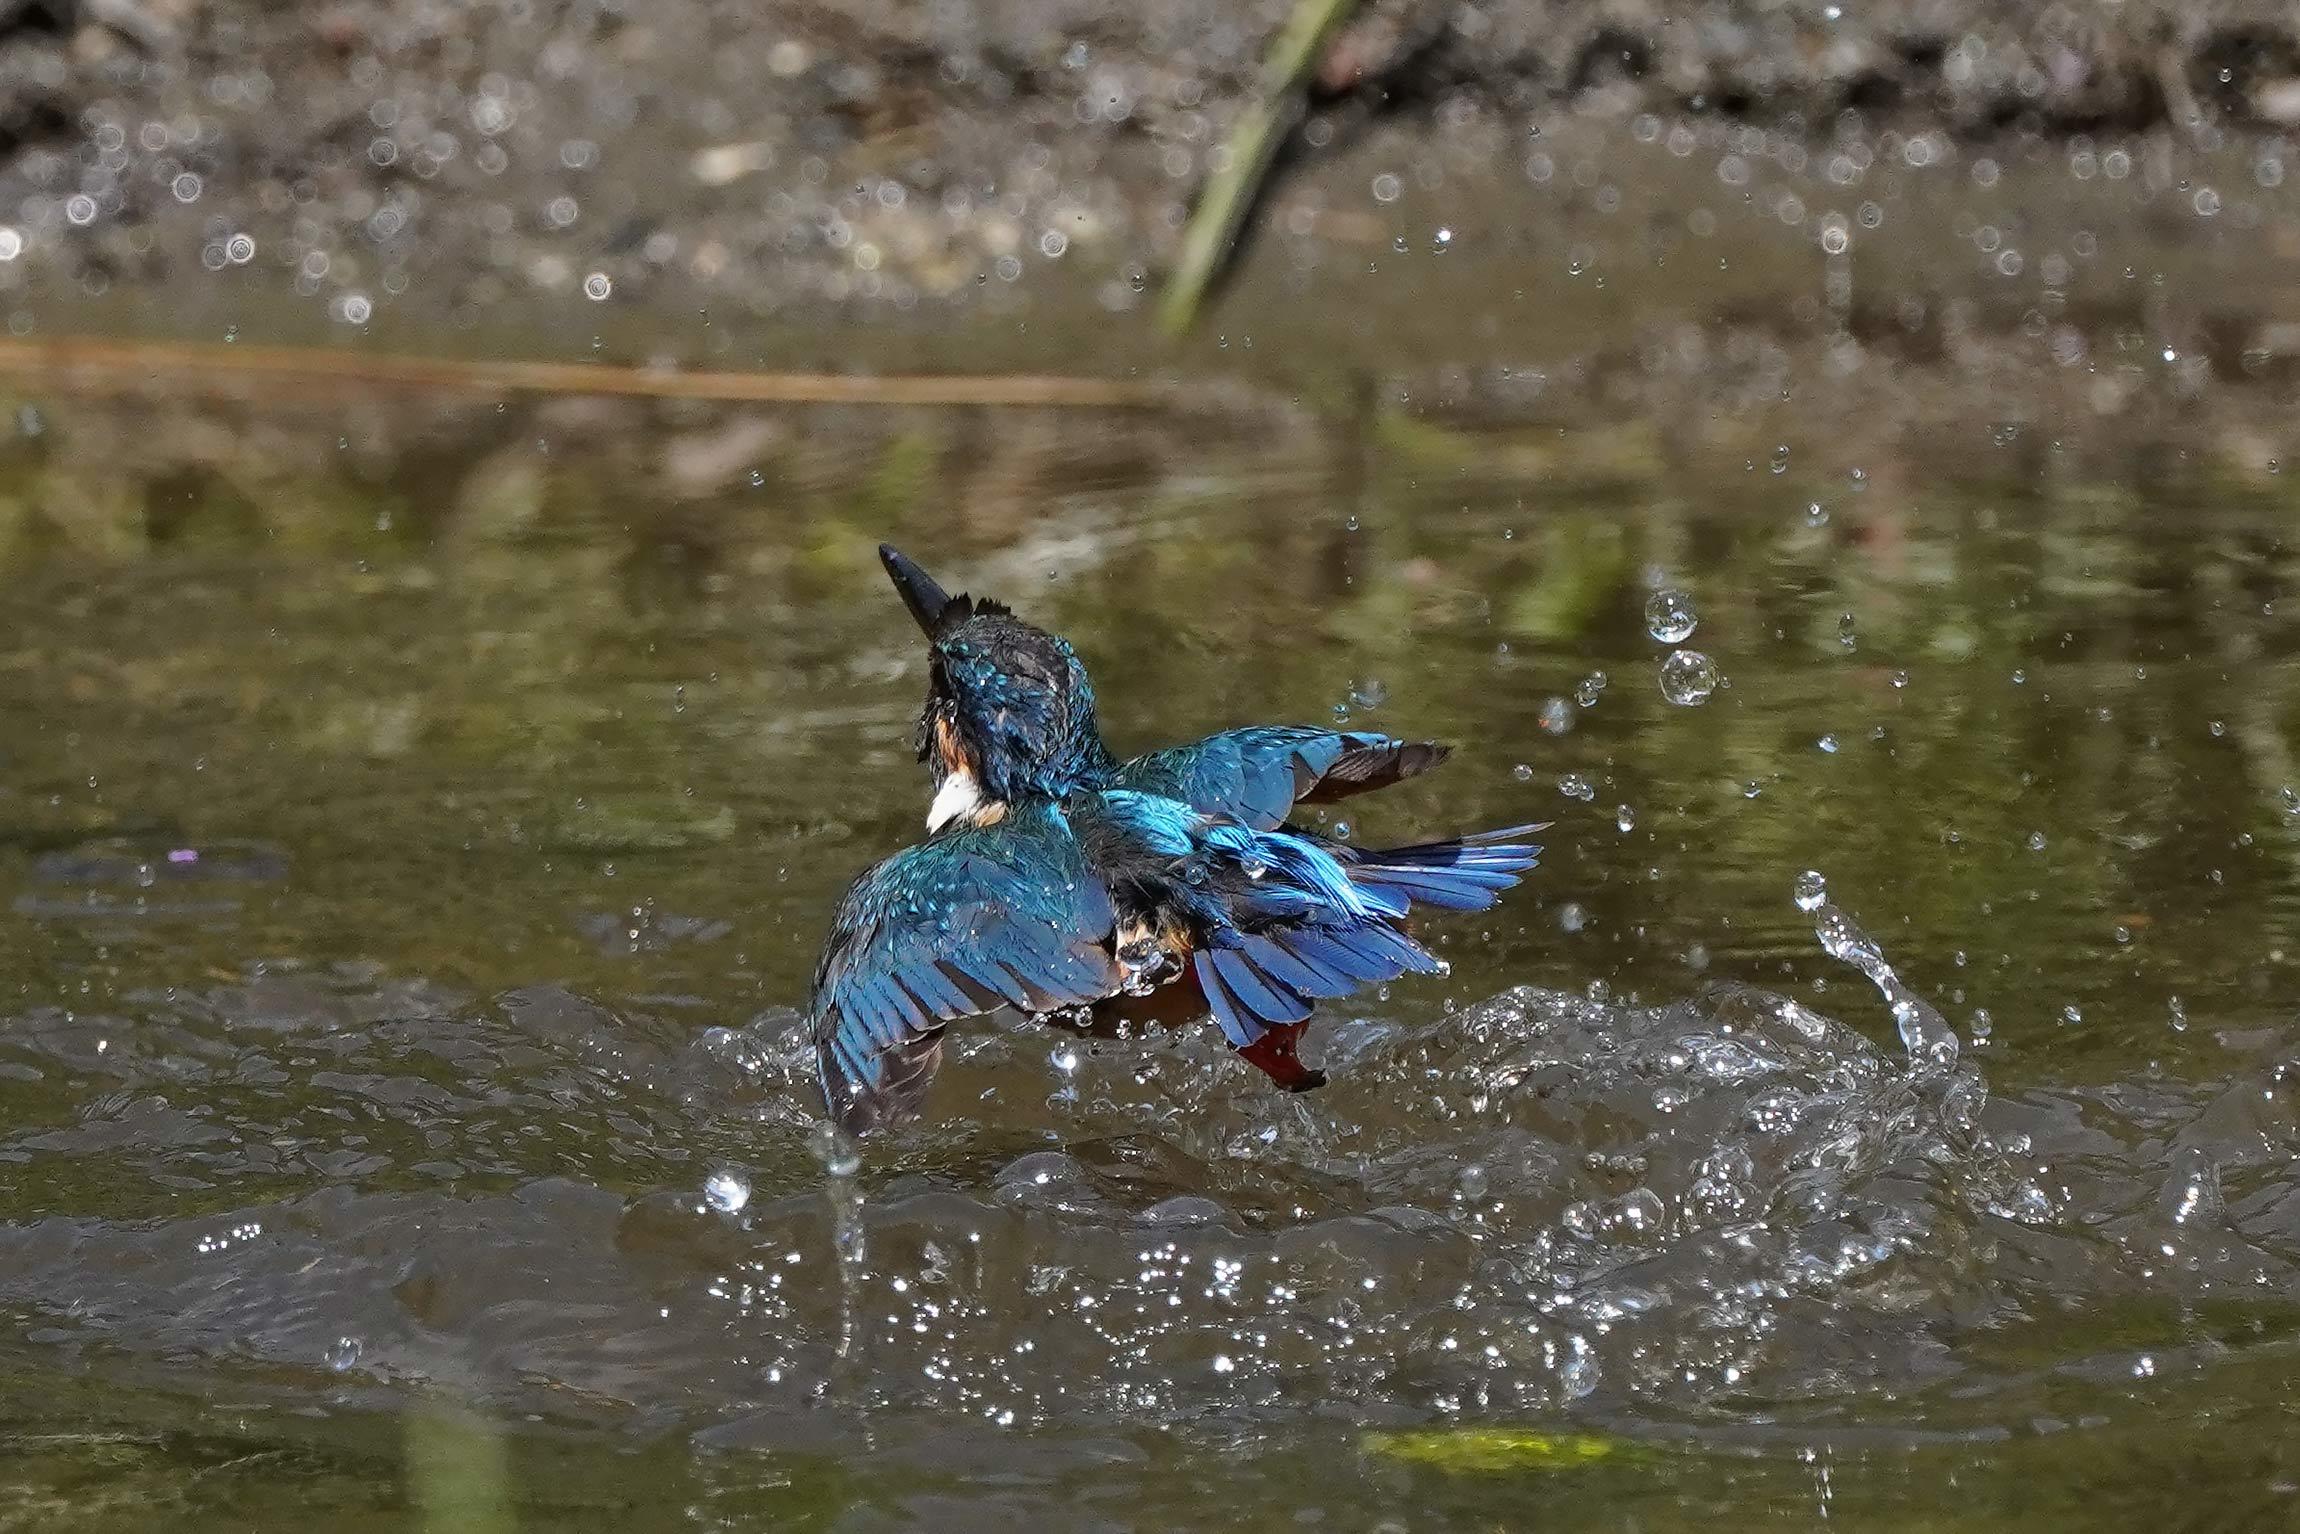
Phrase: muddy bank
(982, 186)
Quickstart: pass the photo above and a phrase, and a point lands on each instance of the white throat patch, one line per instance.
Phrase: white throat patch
(959, 798)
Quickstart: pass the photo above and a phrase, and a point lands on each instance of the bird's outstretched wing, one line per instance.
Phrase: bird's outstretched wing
(1259, 773)
(978, 918)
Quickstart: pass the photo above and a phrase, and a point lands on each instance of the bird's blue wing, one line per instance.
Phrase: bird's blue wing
(975, 919)
(1258, 774)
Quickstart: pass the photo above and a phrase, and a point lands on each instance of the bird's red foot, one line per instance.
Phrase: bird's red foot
(1273, 1055)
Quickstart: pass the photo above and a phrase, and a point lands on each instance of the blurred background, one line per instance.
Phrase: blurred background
(1828, 458)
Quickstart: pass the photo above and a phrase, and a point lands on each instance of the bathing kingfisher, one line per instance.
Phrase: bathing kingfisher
(1072, 886)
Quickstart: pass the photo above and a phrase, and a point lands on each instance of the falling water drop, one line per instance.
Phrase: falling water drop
(726, 1190)
(1810, 891)
(1669, 617)
(1688, 677)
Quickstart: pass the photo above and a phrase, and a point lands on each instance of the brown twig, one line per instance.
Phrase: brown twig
(83, 361)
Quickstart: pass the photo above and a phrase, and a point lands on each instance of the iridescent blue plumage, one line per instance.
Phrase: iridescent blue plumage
(980, 917)
(1057, 877)
(1258, 774)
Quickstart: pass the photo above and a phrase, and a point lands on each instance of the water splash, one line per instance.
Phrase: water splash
(1926, 1035)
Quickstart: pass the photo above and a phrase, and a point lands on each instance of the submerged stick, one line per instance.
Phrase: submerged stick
(194, 364)
(1214, 227)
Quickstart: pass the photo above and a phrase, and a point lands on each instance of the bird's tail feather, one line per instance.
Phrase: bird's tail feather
(1463, 873)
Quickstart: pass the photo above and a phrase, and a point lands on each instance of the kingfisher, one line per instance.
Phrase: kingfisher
(1079, 888)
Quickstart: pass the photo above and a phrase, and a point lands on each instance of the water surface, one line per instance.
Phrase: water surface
(417, 827)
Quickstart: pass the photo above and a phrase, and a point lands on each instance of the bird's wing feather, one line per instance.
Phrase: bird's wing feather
(975, 919)
(1259, 773)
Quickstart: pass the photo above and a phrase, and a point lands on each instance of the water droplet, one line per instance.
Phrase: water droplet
(343, 1354)
(1816, 514)
(1574, 786)
(598, 286)
(1810, 891)
(1223, 1364)
(2036, 841)
(1523, 772)
(1827, 743)
(1441, 241)
(1368, 693)
(1590, 686)
(1669, 617)
(1900, 679)
(1472, 1184)
(1556, 716)
(1848, 637)
(837, 1152)
(1571, 917)
(726, 1190)
(1688, 678)
(1625, 817)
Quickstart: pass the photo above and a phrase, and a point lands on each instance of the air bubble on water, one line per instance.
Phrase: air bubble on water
(1669, 616)
(1369, 693)
(726, 1190)
(1900, 680)
(1816, 514)
(1811, 891)
(1688, 678)
(1585, 693)
(1556, 716)
(1780, 463)
(834, 1149)
(343, 1354)
(1471, 1184)
(1523, 772)
(1625, 817)
(1574, 786)
(598, 286)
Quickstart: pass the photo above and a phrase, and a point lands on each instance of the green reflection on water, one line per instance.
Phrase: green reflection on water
(520, 705)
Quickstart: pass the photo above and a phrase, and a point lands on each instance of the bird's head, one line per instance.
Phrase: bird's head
(1009, 712)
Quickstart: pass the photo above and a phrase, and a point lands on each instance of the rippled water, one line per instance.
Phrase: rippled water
(415, 837)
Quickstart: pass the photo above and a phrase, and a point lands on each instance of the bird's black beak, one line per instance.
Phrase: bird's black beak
(926, 601)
